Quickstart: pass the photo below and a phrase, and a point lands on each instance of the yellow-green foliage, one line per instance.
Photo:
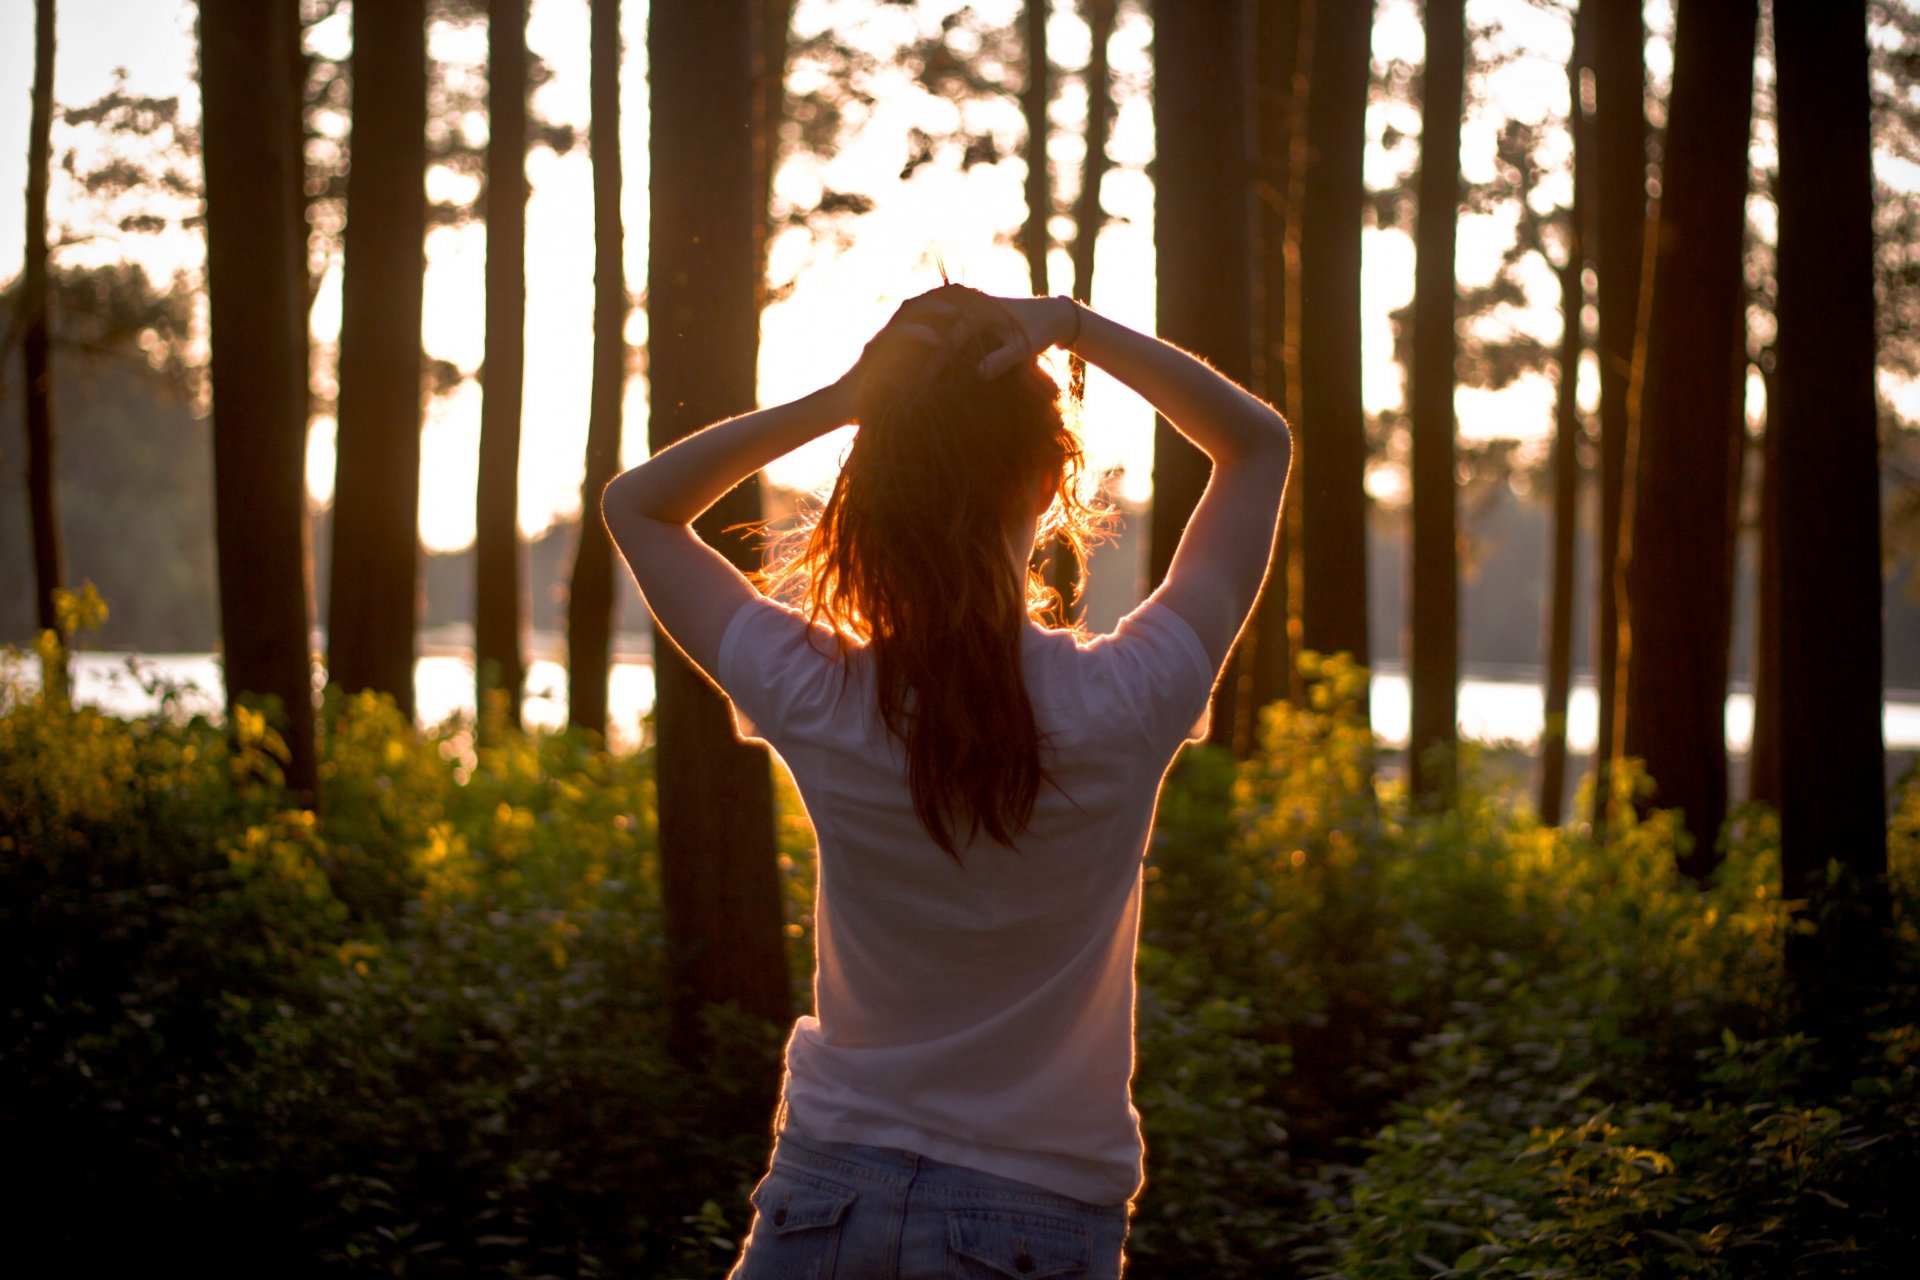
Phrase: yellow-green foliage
(425, 1021)
(423, 1029)
(1464, 1043)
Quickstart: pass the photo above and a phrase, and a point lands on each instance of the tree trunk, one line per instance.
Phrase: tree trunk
(499, 612)
(1264, 671)
(1620, 136)
(775, 23)
(256, 272)
(49, 573)
(1088, 217)
(1033, 103)
(719, 878)
(1434, 614)
(372, 602)
(1331, 448)
(1566, 438)
(590, 594)
(1763, 758)
(1832, 763)
(1676, 546)
(1203, 238)
(1088, 220)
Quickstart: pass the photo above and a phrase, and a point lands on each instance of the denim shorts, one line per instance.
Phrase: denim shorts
(835, 1211)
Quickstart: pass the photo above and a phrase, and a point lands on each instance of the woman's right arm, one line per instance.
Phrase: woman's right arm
(1222, 558)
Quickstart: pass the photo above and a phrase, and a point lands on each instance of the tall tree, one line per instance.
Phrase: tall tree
(1566, 433)
(1088, 216)
(371, 602)
(1434, 613)
(1088, 220)
(1331, 448)
(1264, 670)
(1034, 96)
(719, 877)
(36, 351)
(1677, 545)
(1832, 762)
(1620, 190)
(256, 273)
(1203, 239)
(1763, 755)
(499, 611)
(590, 595)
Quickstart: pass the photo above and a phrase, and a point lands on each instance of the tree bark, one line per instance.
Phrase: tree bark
(1676, 548)
(719, 876)
(1434, 613)
(1832, 763)
(49, 573)
(1264, 669)
(1088, 216)
(372, 603)
(1566, 437)
(1203, 238)
(256, 272)
(1620, 137)
(1763, 759)
(1088, 220)
(1033, 103)
(590, 594)
(775, 23)
(499, 611)
(1330, 460)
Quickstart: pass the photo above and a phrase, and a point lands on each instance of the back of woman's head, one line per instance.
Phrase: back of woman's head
(912, 554)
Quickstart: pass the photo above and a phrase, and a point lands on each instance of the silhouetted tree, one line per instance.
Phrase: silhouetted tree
(1203, 239)
(1434, 609)
(35, 349)
(1035, 94)
(256, 270)
(719, 879)
(1679, 541)
(775, 18)
(1620, 193)
(1763, 753)
(1088, 217)
(499, 612)
(590, 595)
(1832, 776)
(1263, 669)
(1331, 445)
(1566, 433)
(372, 602)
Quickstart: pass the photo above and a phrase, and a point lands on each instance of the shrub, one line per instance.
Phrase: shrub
(423, 1031)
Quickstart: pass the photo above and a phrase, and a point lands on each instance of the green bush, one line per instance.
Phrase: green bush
(424, 1032)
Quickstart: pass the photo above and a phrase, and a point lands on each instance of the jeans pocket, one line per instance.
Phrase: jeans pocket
(796, 1228)
(1001, 1244)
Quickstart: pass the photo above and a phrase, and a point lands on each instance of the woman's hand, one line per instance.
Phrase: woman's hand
(944, 319)
(919, 328)
(1026, 327)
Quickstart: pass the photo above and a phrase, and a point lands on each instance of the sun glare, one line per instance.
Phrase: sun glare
(839, 280)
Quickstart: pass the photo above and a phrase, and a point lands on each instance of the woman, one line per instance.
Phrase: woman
(982, 789)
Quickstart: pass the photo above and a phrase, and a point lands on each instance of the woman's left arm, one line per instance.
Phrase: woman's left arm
(692, 590)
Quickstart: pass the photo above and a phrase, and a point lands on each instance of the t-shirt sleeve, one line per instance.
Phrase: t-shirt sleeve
(771, 661)
(1163, 668)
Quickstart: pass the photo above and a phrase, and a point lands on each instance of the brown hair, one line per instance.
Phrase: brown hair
(910, 555)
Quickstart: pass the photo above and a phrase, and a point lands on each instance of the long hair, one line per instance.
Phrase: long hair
(910, 555)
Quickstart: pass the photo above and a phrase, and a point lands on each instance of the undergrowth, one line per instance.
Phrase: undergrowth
(424, 1032)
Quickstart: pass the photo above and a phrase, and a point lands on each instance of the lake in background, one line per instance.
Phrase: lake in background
(1503, 706)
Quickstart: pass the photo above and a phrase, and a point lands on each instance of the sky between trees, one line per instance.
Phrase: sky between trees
(844, 282)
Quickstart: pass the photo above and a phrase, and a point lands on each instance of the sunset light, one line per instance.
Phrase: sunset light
(1415, 772)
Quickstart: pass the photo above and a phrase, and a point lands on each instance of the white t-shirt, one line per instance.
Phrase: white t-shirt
(980, 1012)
